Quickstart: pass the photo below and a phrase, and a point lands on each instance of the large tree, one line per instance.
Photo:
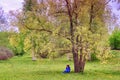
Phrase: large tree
(86, 21)
(81, 22)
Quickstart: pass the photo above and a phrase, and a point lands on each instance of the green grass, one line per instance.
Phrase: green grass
(22, 68)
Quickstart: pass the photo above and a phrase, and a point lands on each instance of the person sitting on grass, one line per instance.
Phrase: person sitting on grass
(67, 70)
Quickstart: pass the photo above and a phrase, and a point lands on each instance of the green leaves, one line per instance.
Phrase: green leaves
(115, 39)
(4, 41)
(17, 43)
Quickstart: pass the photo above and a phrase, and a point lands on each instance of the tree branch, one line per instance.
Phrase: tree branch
(39, 29)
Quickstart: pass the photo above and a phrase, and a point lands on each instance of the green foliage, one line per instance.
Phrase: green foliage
(93, 57)
(29, 5)
(4, 39)
(17, 43)
(45, 45)
(115, 53)
(50, 31)
(94, 44)
(42, 38)
(104, 49)
(115, 39)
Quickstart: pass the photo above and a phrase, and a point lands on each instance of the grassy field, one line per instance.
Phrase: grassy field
(22, 68)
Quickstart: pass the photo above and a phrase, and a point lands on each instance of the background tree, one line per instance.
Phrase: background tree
(16, 41)
(37, 28)
(4, 41)
(115, 39)
(3, 21)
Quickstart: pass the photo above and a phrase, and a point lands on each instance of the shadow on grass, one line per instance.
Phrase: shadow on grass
(49, 72)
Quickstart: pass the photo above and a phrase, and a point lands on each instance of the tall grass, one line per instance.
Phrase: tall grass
(23, 68)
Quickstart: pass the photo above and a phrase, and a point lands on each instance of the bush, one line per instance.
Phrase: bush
(93, 57)
(4, 39)
(115, 40)
(5, 53)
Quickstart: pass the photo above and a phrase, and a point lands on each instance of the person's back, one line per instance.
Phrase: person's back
(67, 70)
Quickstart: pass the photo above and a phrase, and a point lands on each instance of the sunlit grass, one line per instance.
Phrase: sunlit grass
(23, 68)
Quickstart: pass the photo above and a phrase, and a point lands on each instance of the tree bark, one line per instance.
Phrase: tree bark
(75, 58)
(33, 55)
(81, 63)
(33, 50)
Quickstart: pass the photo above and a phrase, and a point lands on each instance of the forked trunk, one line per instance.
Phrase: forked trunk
(75, 58)
(79, 62)
(78, 65)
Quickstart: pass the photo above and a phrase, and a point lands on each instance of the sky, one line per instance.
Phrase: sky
(115, 6)
(8, 5)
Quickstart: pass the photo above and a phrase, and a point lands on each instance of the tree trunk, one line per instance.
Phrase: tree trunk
(75, 58)
(33, 51)
(33, 55)
(89, 57)
(81, 64)
(78, 65)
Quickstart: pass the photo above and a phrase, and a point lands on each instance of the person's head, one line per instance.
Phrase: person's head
(67, 66)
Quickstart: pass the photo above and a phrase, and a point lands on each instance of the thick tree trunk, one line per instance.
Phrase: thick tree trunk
(81, 64)
(75, 58)
(79, 61)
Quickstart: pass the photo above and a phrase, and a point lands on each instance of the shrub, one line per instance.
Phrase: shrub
(115, 40)
(93, 57)
(5, 53)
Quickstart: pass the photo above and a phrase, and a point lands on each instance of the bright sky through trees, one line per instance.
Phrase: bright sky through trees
(115, 8)
(8, 5)
(17, 4)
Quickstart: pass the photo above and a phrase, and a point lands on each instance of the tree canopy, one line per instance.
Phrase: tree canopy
(52, 26)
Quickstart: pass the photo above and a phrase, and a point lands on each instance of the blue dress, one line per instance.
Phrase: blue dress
(67, 70)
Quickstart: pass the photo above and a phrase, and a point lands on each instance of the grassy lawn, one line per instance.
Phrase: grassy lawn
(22, 68)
